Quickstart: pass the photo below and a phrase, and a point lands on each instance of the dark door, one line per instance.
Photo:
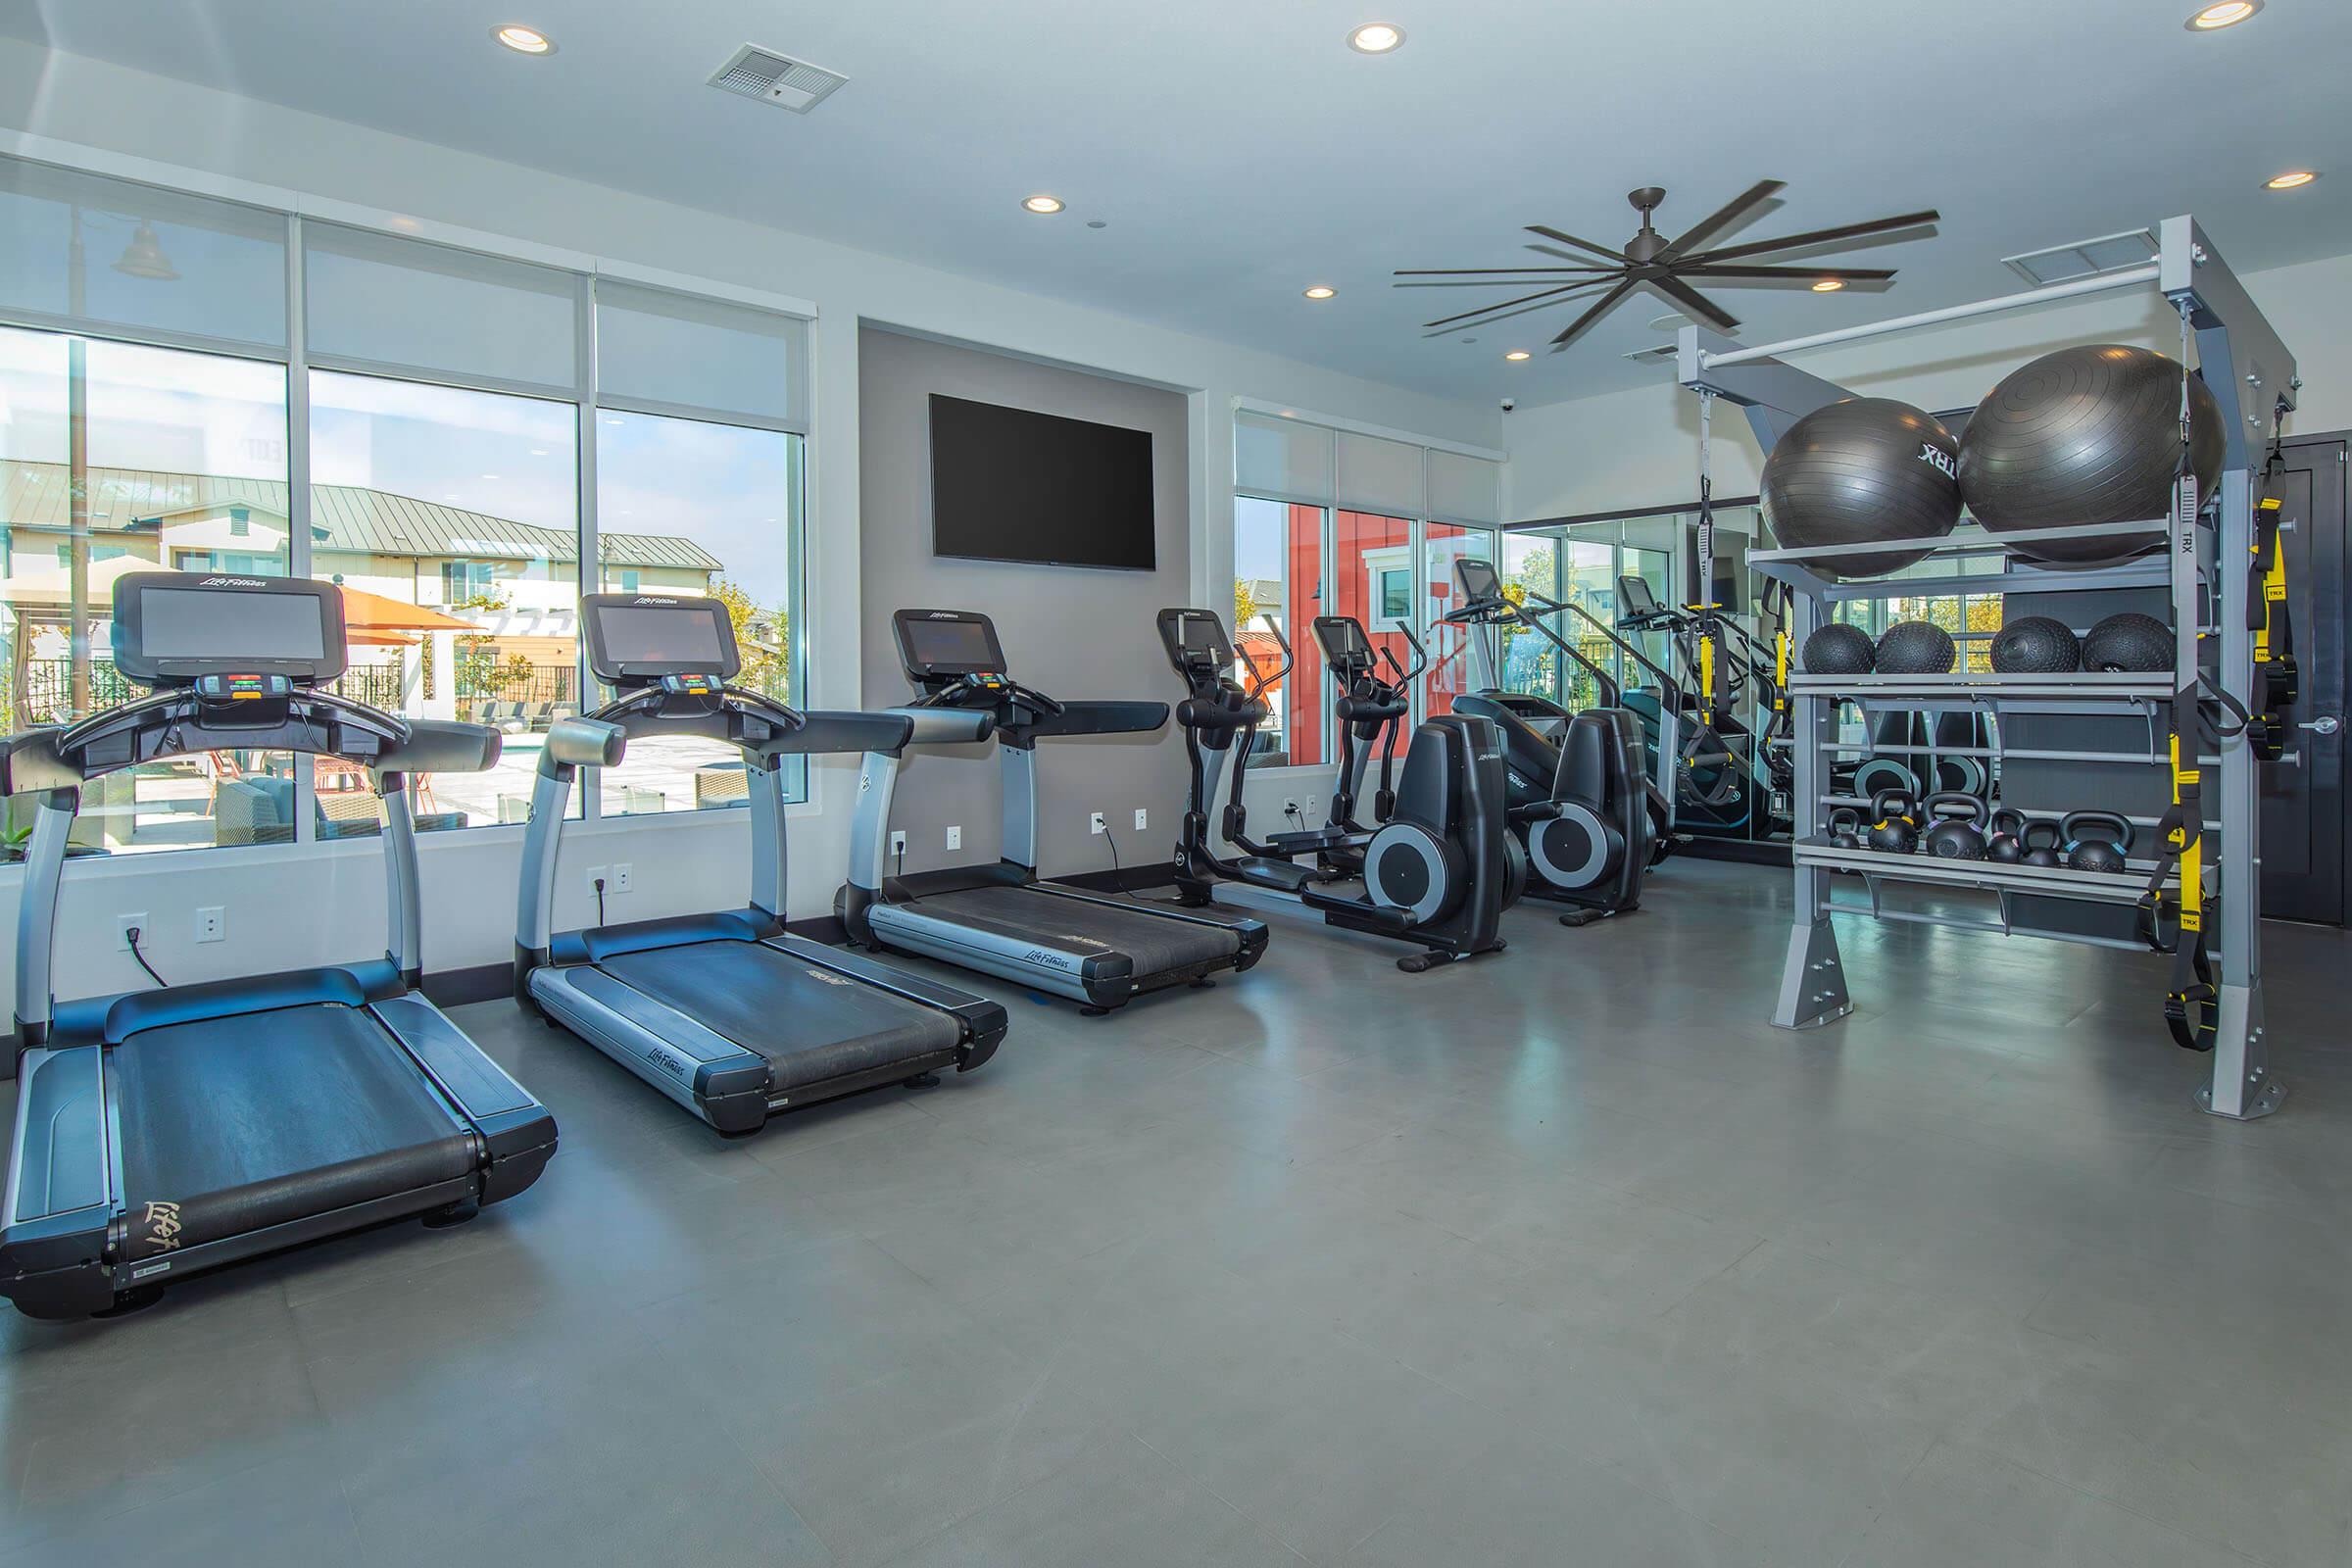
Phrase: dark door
(2303, 794)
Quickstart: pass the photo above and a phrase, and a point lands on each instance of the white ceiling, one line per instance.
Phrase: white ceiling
(1236, 150)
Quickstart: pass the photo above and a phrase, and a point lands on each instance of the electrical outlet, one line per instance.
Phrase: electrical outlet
(1142, 819)
(1290, 806)
(212, 923)
(124, 924)
(898, 842)
(595, 875)
(1101, 823)
(621, 880)
(956, 838)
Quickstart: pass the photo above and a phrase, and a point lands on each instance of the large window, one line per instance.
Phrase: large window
(1278, 583)
(118, 457)
(449, 400)
(692, 507)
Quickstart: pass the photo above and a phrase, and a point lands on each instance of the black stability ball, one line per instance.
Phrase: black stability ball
(2035, 645)
(1916, 648)
(2089, 434)
(1838, 649)
(2129, 640)
(1862, 470)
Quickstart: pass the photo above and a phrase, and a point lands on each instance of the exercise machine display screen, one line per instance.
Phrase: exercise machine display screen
(642, 637)
(1205, 637)
(194, 625)
(951, 646)
(1480, 583)
(1634, 598)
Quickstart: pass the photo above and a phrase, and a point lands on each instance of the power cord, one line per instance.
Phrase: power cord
(600, 900)
(1118, 877)
(130, 935)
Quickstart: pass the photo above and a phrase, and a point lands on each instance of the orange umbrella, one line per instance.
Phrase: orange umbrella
(366, 611)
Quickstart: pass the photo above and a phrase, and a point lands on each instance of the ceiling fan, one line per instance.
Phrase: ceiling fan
(1651, 261)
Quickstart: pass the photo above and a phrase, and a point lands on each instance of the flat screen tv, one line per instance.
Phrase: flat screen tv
(1008, 484)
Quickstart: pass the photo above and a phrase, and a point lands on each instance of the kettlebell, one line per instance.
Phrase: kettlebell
(1845, 828)
(1894, 832)
(2103, 853)
(1951, 837)
(2004, 846)
(2039, 841)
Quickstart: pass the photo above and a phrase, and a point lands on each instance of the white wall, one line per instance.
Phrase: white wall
(1635, 449)
(287, 907)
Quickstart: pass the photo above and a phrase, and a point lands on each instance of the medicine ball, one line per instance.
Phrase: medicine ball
(2035, 645)
(2129, 640)
(1838, 649)
(2089, 434)
(1916, 648)
(1862, 470)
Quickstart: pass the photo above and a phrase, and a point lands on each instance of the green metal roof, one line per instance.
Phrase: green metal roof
(343, 517)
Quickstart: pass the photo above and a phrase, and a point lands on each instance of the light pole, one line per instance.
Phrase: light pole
(143, 258)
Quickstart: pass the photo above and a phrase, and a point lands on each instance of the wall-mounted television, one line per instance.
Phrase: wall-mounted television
(1009, 485)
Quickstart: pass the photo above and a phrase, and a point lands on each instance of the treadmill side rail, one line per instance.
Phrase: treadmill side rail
(984, 1022)
(60, 1188)
(513, 1125)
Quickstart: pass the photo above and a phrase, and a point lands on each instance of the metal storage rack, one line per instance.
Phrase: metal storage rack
(2203, 570)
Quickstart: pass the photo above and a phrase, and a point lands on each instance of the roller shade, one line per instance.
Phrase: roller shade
(1464, 489)
(376, 301)
(701, 356)
(1379, 475)
(106, 256)
(1284, 460)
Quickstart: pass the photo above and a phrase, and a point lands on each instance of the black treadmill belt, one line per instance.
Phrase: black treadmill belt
(233, 1124)
(1154, 942)
(810, 1023)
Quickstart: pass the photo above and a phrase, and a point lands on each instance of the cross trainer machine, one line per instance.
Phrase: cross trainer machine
(1577, 798)
(1436, 872)
(1001, 919)
(727, 1013)
(163, 1134)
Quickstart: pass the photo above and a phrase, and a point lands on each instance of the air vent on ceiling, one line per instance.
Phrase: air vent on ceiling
(775, 78)
(2063, 263)
(1656, 351)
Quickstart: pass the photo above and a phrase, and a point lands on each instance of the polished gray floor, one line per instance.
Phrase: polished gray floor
(1559, 1257)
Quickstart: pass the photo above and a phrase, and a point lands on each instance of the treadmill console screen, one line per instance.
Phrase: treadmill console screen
(173, 628)
(1634, 598)
(1203, 636)
(1480, 583)
(947, 641)
(634, 638)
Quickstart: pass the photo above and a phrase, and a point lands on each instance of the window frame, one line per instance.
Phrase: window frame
(289, 213)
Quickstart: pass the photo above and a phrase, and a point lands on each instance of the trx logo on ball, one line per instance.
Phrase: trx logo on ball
(1931, 452)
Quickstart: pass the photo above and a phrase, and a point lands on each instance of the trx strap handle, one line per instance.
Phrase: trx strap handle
(2190, 1011)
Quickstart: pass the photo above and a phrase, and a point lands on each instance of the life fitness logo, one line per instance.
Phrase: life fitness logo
(942, 615)
(232, 582)
(1935, 456)
(650, 598)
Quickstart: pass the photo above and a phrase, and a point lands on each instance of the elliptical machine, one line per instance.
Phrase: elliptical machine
(1578, 800)
(1438, 871)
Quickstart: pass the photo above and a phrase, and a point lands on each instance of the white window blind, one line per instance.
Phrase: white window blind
(1463, 489)
(1379, 475)
(106, 256)
(379, 301)
(1283, 459)
(672, 352)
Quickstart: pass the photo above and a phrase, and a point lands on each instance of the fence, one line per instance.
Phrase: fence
(513, 680)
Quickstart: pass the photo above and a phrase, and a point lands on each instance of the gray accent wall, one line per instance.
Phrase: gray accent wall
(1067, 631)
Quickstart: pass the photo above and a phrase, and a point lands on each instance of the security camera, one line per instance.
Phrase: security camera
(1508, 404)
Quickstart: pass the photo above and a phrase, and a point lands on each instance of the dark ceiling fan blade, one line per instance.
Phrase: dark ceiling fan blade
(1708, 227)
(1600, 307)
(1693, 303)
(1845, 275)
(1581, 244)
(1540, 296)
(1487, 271)
(1819, 236)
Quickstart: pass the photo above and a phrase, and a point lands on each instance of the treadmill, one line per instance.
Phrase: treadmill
(164, 1133)
(727, 1013)
(999, 919)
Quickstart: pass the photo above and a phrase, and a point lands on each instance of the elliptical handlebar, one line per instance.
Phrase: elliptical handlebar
(1259, 685)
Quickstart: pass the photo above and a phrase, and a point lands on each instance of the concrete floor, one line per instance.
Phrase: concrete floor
(1559, 1257)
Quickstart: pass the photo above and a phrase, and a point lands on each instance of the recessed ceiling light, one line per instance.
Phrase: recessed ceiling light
(523, 40)
(2225, 13)
(1044, 205)
(1376, 37)
(1321, 291)
(2292, 179)
(1517, 354)
(1829, 285)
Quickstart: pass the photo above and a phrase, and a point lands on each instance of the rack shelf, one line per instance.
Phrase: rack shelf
(2083, 692)
(2062, 882)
